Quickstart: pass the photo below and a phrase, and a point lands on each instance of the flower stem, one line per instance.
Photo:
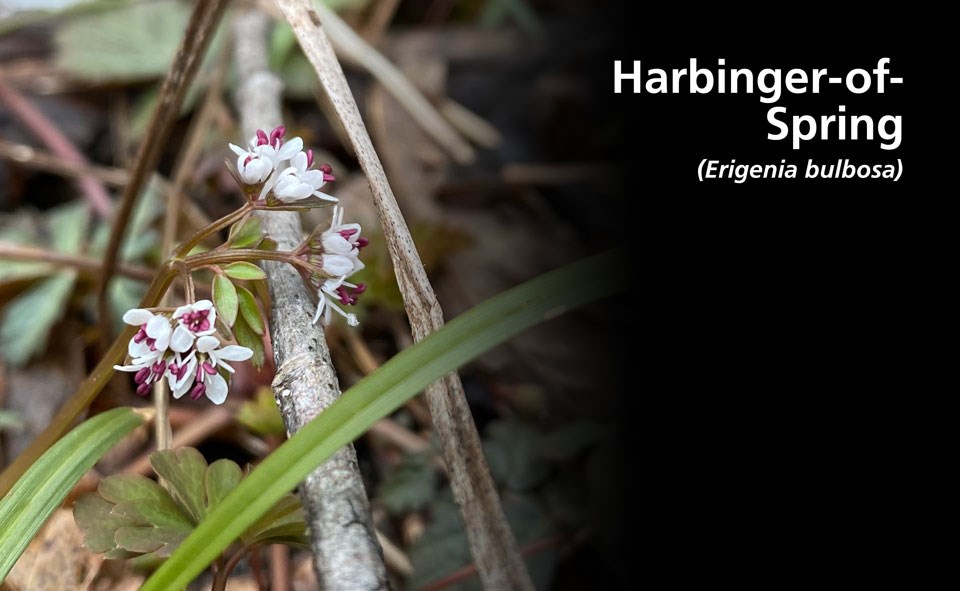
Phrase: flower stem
(87, 391)
(216, 226)
(235, 255)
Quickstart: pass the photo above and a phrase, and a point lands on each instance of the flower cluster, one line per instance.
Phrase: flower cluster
(182, 348)
(280, 170)
(333, 257)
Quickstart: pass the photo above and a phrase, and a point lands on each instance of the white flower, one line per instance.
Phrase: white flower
(264, 155)
(146, 348)
(344, 239)
(196, 320)
(254, 165)
(197, 373)
(337, 289)
(152, 339)
(298, 182)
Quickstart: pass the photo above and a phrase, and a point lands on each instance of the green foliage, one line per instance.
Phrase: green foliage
(410, 486)
(131, 515)
(10, 421)
(443, 547)
(225, 299)
(261, 414)
(246, 234)
(244, 271)
(131, 42)
(247, 337)
(29, 317)
(46, 483)
(379, 394)
(511, 450)
(27, 320)
(250, 310)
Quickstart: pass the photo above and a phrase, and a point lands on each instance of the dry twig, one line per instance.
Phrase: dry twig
(491, 542)
(346, 553)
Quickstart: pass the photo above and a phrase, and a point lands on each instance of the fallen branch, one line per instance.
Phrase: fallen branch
(492, 544)
(346, 554)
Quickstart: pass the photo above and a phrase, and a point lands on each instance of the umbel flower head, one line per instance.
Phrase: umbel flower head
(181, 347)
(333, 257)
(278, 171)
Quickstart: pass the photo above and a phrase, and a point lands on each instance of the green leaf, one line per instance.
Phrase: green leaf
(284, 523)
(28, 318)
(261, 414)
(94, 516)
(130, 42)
(247, 337)
(225, 299)
(512, 454)
(144, 539)
(250, 310)
(410, 485)
(10, 421)
(46, 483)
(569, 440)
(68, 227)
(222, 477)
(246, 235)
(244, 270)
(124, 293)
(185, 471)
(379, 394)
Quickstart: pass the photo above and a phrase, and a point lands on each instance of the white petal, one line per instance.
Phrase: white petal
(202, 305)
(235, 353)
(206, 344)
(158, 327)
(182, 310)
(337, 264)
(216, 388)
(238, 150)
(137, 316)
(325, 196)
(299, 162)
(290, 148)
(320, 304)
(140, 349)
(181, 340)
(314, 178)
(128, 367)
(336, 244)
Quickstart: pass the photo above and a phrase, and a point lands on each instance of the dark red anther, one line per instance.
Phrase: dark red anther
(159, 367)
(151, 344)
(344, 296)
(197, 391)
(181, 371)
(141, 375)
(207, 367)
(143, 389)
(141, 334)
(348, 233)
(360, 288)
(262, 138)
(277, 134)
(362, 242)
(247, 160)
(309, 158)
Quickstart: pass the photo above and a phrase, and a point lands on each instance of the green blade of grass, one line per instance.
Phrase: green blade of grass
(380, 393)
(44, 486)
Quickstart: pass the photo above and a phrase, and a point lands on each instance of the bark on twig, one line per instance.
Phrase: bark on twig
(347, 555)
(492, 544)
